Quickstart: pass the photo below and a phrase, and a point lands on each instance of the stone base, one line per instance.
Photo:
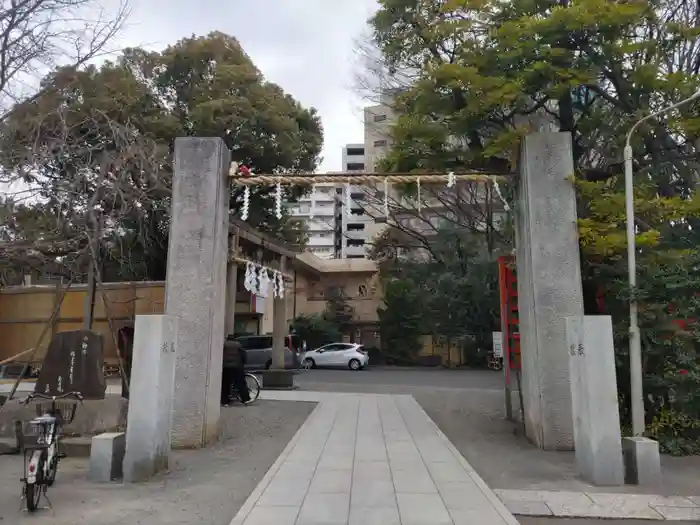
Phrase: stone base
(642, 461)
(277, 379)
(91, 418)
(106, 457)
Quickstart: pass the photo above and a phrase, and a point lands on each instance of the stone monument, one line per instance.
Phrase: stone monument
(73, 363)
(148, 430)
(595, 410)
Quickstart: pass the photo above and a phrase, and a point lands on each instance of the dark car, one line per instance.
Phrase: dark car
(259, 351)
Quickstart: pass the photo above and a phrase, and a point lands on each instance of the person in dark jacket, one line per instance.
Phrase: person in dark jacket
(234, 372)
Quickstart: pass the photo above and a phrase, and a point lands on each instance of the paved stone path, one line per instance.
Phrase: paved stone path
(600, 505)
(370, 459)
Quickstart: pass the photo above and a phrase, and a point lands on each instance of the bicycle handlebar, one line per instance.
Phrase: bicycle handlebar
(39, 395)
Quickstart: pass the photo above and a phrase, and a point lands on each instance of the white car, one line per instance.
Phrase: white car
(340, 355)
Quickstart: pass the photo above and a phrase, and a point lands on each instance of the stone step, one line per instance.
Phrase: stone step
(76, 447)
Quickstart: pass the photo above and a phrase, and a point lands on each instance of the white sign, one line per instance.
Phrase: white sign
(497, 344)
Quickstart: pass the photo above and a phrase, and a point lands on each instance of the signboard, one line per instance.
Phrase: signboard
(73, 363)
(497, 344)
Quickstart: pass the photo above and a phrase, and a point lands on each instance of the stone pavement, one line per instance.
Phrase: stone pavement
(366, 459)
(600, 505)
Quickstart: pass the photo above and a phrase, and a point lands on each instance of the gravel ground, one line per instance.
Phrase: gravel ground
(468, 406)
(203, 486)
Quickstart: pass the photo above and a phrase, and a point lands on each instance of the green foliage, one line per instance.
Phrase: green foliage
(401, 321)
(480, 70)
(338, 311)
(316, 330)
(452, 293)
(124, 116)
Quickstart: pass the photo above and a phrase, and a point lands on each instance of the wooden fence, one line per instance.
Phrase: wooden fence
(25, 311)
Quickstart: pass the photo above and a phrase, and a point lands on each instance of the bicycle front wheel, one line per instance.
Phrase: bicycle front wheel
(253, 387)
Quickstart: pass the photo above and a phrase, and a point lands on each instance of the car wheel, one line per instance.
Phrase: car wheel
(309, 363)
(354, 364)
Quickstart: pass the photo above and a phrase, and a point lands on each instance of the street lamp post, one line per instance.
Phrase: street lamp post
(636, 388)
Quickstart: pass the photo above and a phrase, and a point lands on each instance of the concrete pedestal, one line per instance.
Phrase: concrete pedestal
(151, 401)
(106, 456)
(549, 285)
(196, 285)
(642, 461)
(277, 379)
(595, 410)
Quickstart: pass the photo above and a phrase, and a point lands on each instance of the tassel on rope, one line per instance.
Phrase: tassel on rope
(278, 201)
(386, 197)
(280, 285)
(246, 203)
(451, 179)
(264, 282)
(497, 189)
(420, 205)
(249, 282)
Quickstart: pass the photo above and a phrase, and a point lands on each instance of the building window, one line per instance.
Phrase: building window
(379, 118)
(380, 220)
(355, 257)
(362, 290)
(335, 291)
(357, 211)
(355, 166)
(356, 151)
(379, 143)
(356, 242)
(355, 227)
(357, 196)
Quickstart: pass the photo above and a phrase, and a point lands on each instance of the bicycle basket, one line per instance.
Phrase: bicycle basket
(65, 410)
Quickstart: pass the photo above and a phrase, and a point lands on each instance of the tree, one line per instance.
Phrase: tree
(38, 35)
(478, 74)
(668, 301)
(338, 311)
(56, 143)
(316, 330)
(480, 69)
(449, 291)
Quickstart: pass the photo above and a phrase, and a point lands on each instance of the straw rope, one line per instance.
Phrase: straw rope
(357, 178)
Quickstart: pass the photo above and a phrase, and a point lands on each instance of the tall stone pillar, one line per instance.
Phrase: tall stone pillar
(549, 285)
(279, 325)
(196, 285)
(277, 376)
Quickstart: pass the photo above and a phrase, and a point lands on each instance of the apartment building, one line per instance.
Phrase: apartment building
(377, 122)
(352, 225)
(317, 210)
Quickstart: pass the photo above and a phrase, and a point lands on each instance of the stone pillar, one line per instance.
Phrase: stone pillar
(549, 285)
(596, 415)
(279, 325)
(278, 376)
(196, 285)
(148, 430)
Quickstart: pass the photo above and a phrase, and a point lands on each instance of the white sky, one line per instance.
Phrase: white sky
(305, 46)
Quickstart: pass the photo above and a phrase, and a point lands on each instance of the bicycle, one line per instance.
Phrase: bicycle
(41, 456)
(253, 389)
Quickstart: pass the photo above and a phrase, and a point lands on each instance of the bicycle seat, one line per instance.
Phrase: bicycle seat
(43, 420)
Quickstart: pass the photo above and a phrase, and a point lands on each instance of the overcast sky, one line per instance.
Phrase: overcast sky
(305, 46)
